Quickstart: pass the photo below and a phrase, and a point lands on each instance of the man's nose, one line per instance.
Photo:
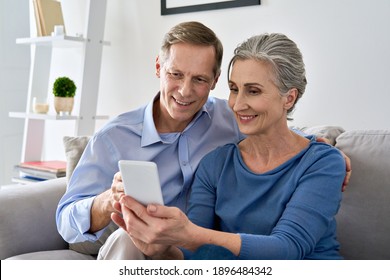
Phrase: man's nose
(185, 87)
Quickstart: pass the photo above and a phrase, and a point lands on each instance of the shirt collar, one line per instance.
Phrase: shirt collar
(150, 134)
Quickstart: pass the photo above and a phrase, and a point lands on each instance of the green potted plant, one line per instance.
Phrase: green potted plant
(64, 90)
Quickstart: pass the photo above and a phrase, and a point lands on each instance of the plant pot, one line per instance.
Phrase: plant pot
(63, 105)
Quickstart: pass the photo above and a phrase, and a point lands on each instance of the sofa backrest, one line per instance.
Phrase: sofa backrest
(364, 217)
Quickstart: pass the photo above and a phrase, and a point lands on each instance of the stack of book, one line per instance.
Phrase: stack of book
(41, 170)
(48, 13)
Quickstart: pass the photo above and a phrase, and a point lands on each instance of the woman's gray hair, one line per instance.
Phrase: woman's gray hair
(195, 33)
(282, 54)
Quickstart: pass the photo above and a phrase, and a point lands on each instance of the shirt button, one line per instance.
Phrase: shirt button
(184, 163)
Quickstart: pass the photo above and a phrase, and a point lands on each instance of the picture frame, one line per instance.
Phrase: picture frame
(168, 7)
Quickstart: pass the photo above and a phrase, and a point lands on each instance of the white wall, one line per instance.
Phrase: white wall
(14, 67)
(345, 43)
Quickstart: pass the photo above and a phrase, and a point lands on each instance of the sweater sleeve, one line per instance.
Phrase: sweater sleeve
(203, 192)
(203, 195)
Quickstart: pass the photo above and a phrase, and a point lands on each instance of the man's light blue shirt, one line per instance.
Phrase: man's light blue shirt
(133, 136)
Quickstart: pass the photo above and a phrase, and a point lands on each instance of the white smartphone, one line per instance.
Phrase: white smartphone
(141, 181)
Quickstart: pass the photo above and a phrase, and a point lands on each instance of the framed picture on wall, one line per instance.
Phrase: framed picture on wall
(169, 7)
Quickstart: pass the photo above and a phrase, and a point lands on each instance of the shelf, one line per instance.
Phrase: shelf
(87, 49)
(53, 41)
(24, 115)
(62, 41)
(34, 116)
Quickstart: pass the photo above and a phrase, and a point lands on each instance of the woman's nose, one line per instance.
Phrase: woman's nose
(239, 102)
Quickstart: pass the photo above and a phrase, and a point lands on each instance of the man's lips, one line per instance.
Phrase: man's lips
(182, 103)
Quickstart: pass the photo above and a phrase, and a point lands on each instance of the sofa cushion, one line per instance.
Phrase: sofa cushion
(327, 131)
(363, 219)
(53, 255)
(74, 148)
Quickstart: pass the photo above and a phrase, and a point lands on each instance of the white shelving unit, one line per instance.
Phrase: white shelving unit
(91, 46)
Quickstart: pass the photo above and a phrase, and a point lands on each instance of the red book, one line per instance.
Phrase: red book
(50, 165)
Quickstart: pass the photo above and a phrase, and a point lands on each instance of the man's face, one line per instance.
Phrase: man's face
(186, 78)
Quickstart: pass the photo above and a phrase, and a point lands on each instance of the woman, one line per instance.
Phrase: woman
(274, 195)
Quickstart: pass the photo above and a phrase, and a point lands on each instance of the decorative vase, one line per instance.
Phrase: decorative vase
(63, 105)
(39, 107)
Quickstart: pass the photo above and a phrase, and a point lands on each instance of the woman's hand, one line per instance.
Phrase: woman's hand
(158, 251)
(156, 230)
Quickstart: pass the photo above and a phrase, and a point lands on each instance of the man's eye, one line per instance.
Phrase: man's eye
(174, 75)
(200, 80)
(233, 90)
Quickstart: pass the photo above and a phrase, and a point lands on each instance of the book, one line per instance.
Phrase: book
(55, 166)
(40, 174)
(37, 18)
(26, 180)
(48, 13)
(41, 170)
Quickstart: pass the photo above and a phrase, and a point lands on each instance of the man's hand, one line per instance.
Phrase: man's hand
(347, 164)
(348, 169)
(104, 204)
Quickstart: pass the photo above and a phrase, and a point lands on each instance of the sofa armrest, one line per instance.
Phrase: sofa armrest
(27, 217)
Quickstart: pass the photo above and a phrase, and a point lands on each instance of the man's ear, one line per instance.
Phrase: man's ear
(215, 82)
(158, 66)
(291, 97)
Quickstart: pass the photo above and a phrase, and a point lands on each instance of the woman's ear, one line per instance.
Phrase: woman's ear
(291, 98)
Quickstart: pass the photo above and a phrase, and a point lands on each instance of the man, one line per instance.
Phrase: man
(175, 130)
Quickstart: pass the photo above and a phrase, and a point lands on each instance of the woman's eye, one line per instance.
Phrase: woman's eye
(254, 91)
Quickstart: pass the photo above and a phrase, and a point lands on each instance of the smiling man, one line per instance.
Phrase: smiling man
(175, 130)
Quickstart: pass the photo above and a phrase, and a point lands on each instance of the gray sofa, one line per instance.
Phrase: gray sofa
(28, 230)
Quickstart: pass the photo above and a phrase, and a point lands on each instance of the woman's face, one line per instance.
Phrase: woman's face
(255, 99)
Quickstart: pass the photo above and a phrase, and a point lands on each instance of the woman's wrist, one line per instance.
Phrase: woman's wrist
(198, 236)
(193, 237)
